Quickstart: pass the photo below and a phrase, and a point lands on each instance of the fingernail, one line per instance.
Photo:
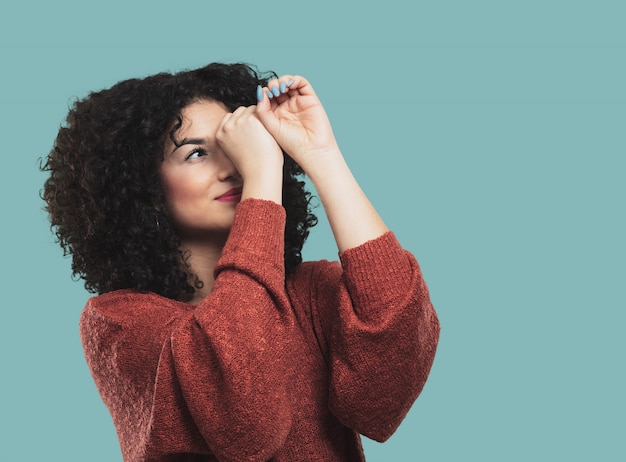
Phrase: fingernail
(259, 93)
(290, 83)
(283, 87)
(269, 94)
(275, 90)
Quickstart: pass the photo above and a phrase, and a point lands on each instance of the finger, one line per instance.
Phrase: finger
(280, 86)
(293, 83)
(266, 115)
(263, 93)
(238, 116)
(278, 96)
(239, 111)
(231, 120)
(274, 87)
(224, 121)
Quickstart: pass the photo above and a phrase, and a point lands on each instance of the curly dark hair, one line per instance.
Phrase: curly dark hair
(104, 195)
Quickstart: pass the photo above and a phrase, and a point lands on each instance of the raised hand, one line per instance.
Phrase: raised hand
(292, 113)
(254, 152)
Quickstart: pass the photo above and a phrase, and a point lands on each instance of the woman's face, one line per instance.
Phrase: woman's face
(202, 186)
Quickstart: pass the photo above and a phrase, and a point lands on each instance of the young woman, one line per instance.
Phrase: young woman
(178, 198)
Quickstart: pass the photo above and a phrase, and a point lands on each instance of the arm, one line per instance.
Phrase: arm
(299, 123)
(228, 358)
(376, 328)
(383, 336)
(374, 311)
(205, 379)
(208, 378)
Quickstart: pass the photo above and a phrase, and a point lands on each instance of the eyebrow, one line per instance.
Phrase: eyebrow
(188, 141)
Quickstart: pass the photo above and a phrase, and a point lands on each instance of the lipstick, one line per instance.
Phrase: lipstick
(232, 195)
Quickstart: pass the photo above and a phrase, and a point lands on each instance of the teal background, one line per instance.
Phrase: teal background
(489, 134)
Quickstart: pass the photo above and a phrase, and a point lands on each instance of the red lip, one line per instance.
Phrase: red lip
(231, 195)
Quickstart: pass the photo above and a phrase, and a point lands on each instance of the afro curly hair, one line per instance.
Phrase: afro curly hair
(104, 195)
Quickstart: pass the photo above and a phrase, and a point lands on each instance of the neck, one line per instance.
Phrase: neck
(202, 258)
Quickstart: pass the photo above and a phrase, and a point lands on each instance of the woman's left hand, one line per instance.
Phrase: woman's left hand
(296, 119)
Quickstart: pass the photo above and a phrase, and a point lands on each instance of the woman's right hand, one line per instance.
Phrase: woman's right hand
(255, 154)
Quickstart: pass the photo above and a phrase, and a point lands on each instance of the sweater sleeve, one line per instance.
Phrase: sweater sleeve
(219, 382)
(380, 333)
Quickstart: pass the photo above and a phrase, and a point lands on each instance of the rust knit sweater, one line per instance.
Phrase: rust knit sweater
(266, 368)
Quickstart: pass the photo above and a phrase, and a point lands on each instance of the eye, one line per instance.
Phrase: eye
(195, 153)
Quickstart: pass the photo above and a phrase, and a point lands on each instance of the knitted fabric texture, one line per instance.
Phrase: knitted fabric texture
(266, 368)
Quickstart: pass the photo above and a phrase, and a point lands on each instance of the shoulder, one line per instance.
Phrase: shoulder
(127, 321)
(128, 306)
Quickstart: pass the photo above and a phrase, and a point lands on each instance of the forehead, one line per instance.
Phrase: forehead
(200, 117)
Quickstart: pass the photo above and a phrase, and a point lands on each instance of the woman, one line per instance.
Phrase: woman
(209, 339)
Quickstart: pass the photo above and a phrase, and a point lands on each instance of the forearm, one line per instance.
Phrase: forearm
(298, 122)
(352, 217)
(265, 184)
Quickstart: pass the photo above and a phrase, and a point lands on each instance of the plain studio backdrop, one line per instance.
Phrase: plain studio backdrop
(489, 134)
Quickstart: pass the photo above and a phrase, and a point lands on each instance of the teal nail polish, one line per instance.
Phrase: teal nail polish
(275, 90)
(259, 93)
(283, 87)
(290, 83)
(269, 94)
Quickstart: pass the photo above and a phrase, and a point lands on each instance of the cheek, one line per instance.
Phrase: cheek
(182, 189)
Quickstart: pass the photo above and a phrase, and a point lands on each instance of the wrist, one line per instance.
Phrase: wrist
(268, 186)
(321, 163)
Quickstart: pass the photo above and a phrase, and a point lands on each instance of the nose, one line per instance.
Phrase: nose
(227, 170)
